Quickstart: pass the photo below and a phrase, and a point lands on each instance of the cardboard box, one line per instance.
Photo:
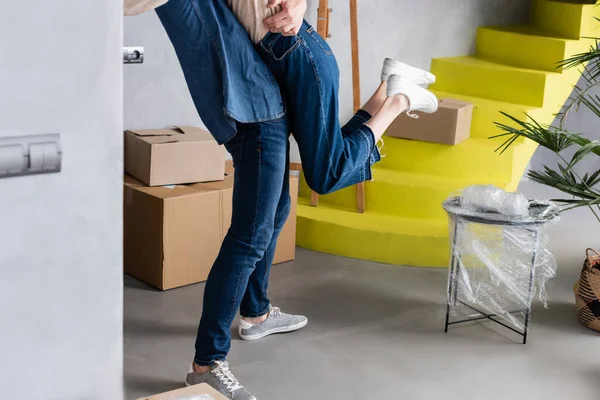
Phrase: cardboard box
(451, 124)
(225, 189)
(172, 235)
(286, 244)
(229, 170)
(173, 156)
(202, 391)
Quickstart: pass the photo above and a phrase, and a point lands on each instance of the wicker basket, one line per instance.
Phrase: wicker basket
(587, 292)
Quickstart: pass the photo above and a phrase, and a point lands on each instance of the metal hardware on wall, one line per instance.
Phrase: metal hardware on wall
(133, 54)
(30, 155)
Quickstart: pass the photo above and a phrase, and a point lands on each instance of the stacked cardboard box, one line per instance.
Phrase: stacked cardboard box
(173, 156)
(173, 232)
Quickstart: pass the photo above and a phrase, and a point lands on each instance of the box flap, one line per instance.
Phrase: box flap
(168, 192)
(195, 134)
(130, 181)
(454, 104)
(156, 132)
(174, 135)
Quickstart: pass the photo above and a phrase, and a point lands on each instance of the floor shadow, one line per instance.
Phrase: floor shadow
(145, 328)
(560, 317)
(133, 283)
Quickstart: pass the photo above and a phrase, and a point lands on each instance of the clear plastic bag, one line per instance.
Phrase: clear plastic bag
(497, 239)
(490, 198)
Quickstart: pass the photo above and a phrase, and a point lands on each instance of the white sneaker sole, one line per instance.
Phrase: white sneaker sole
(415, 75)
(283, 329)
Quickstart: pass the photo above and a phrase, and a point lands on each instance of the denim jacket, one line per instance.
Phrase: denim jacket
(227, 78)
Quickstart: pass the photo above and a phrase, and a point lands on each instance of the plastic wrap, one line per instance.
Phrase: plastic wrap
(496, 239)
(490, 199)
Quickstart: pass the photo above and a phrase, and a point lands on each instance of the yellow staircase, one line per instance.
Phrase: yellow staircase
(513, 70)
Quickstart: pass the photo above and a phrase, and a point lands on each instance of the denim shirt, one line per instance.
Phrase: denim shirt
(227, 78)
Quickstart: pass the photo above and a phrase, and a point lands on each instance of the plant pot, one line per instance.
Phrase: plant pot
(587, 292)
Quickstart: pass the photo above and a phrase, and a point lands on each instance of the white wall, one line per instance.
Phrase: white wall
(410, 30)
(60, 235)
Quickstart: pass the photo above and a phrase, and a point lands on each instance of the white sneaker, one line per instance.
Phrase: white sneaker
(419, 99)
(414, 75)
(276, 322)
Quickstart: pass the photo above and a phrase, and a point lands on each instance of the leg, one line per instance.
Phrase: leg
(389, 111)
(259, 154)
(255, 303)
(377, 99)
(307, 72)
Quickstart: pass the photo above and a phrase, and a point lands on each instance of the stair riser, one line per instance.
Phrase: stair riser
(393, 199)
(373, 245)
(523, 51)
(562, 19)
(484, 118)
(522, 158)
(451, 161)
(513, 86)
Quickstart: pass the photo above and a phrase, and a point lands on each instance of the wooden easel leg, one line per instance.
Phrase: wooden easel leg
(314, 199)
(323, 30)
(360, 197)
(360, 188)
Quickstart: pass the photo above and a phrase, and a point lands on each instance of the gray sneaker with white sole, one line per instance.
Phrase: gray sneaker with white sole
(222, 380)
(276, 322)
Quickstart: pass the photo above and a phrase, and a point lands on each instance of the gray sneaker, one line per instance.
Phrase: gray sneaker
(276, 322)
(222, 380)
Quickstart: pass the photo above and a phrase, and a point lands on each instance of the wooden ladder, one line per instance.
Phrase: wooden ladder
(323, 30)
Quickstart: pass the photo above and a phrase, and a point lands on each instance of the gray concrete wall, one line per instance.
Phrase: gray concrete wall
(580, 121)
(60, 234)
(408, 30)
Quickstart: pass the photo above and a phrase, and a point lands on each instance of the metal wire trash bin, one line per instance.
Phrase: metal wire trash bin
(497, 262)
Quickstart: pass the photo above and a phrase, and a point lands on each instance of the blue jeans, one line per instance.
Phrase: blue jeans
(261, 205)
(333, 157)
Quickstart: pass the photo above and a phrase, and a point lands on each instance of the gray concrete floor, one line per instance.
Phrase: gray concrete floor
(376, 332)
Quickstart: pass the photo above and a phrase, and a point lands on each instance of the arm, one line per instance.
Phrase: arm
(289, 20)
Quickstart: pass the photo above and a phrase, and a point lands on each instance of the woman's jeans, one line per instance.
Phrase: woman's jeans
(333, 158)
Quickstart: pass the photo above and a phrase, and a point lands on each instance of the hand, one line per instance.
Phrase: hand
(289, 20)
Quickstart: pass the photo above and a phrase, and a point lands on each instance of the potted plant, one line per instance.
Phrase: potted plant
(580, 189)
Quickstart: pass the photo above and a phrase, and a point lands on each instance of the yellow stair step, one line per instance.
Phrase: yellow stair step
(403, 194)
(526, 47)
(480, 78)
(371, 236)
(564, 19)
(487, 111)
(475, 158)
